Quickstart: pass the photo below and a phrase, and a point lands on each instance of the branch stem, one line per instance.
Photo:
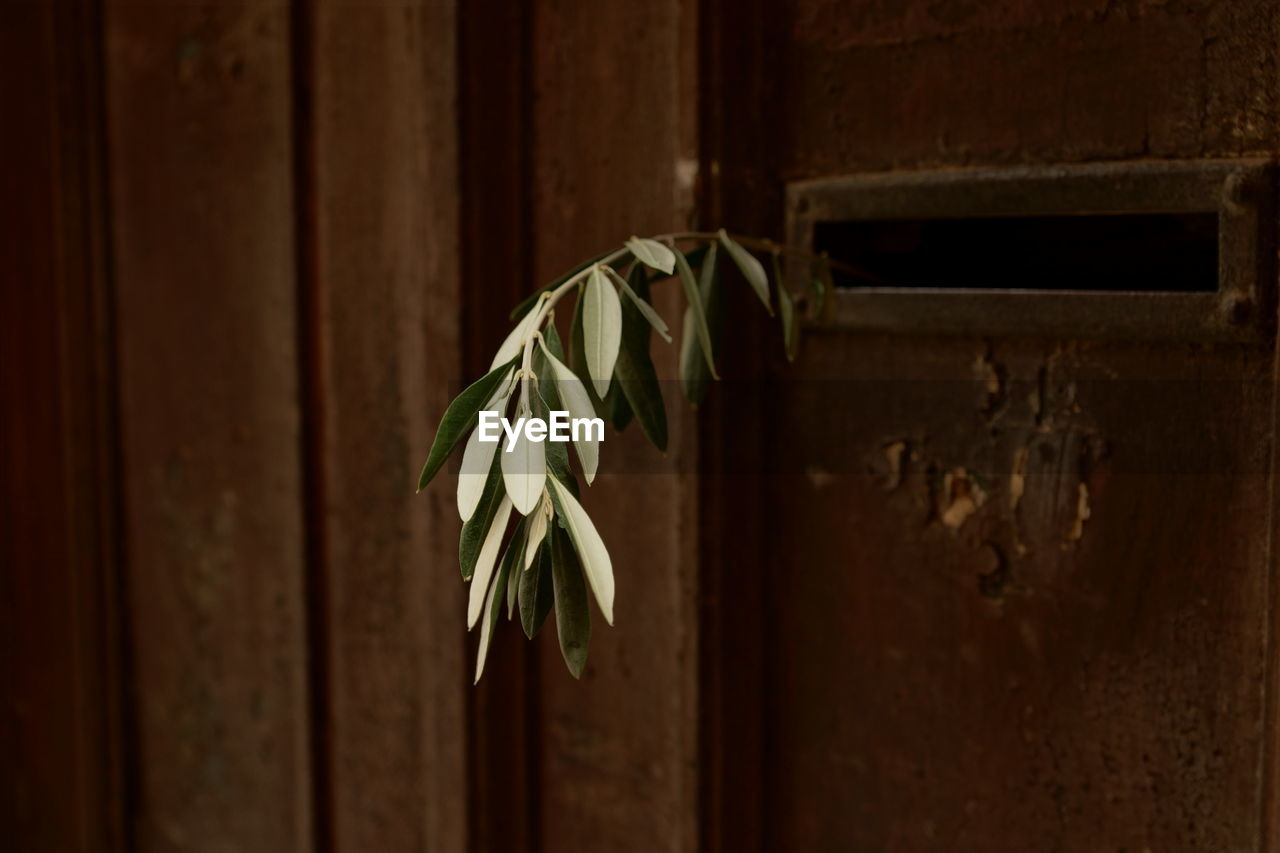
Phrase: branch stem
(551, 297)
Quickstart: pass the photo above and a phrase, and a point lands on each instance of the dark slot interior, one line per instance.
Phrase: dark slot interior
(1165, 252)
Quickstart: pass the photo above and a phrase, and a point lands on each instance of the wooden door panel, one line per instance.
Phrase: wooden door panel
(203, 249)
(613, 768)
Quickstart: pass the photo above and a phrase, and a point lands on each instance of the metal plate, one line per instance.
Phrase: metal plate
(1241, 192)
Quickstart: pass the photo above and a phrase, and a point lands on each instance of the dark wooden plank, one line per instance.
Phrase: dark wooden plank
(613, 136)
(384, 300)
(62, 778)
(202, 199)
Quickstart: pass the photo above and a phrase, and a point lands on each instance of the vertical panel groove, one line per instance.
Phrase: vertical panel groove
(118, 711)
(1269, 789)
(496, 114)
(311, 361)
(528, 235)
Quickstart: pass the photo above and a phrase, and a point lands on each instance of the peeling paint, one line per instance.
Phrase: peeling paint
(993, 583)
(994, 377)
(1038, 400)
(963, 497)
(1083, 512)
(894, 454)
(819, 478)
(1018, 477)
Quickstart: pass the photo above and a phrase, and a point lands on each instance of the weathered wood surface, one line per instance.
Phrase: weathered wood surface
(1081, 666)
(202, 196)
(494, 133)
(61, 787)
(740, 85)
(613, 131)
(910, 83)
(381, 290)
(312, 244)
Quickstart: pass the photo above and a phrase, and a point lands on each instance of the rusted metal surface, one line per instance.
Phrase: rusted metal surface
(199, 129)
(383, 293)
(1240, 192)
(911, 84)
(612, 133)
(1015, 598)
(1019, 596)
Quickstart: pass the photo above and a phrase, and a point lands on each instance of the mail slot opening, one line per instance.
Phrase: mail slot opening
(1147, 252)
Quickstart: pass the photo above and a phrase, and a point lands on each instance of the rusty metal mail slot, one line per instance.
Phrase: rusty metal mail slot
(1181, 250)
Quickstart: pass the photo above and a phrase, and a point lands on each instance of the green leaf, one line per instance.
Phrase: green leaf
(486, 560)
(563, 475)
(592, 553)
(652, 253)
(513, 345)
(524, 469)
(573, 614)
(751, 268)
(695, 376)
(620, 413)
(577, 353)
(637, 377)
(577, 360)
(602, 328)
(696, 255)
(576, 363)
(551, 337)
(546, 400)
(492, 607)
(820, 280)
(574, 395)
(606, 406)
(477, 527)
(536, 594)
(537, 531)
(641, 302)
(459, 419)
(512, 563)
(696, 310)
(477, 456)
(786, 312)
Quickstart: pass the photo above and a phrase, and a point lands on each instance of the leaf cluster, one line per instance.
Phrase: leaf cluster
(526, 539)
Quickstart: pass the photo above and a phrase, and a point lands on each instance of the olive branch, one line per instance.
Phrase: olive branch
(554, 551)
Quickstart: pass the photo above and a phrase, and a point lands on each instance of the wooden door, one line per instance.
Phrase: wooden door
(1014, 585)
(977, 572)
